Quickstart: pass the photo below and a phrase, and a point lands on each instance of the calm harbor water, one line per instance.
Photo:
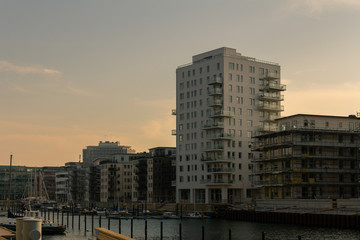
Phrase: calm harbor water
(215, 229)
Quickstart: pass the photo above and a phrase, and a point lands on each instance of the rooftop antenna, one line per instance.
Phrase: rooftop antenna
(79, 157)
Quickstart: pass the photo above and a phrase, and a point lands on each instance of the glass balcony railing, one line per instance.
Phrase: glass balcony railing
(217, 181)
(173, 112)
(213, 125)
(221, 170)
(217, 160)
(173, 132)
(215, 80)
(218, 147)
(215, 91)
(215, 103)
(274, 86)
(271, 107)
(270, 75)
(221, 113)
(220, 136)
(268, 96)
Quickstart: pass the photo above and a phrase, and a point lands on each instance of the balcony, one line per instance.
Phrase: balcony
(220, 136)
(173, 112)
(270, 76)
(274, 86)
(270, 107)
(173, 132)
(215, 103)
(268, 129)
(215, 125)
(215, 80)
(217, 181)
(218, 160)
(221, 113)
(270, 118)
(221, 170)
(216, 148)
(215, 91)
(270, 97)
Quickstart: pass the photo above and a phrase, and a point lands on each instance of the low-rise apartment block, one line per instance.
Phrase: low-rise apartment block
(309, 157)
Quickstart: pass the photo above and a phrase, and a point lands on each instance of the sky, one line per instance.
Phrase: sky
(73, 73)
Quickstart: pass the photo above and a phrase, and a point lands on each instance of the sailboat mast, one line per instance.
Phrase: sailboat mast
(9, 188)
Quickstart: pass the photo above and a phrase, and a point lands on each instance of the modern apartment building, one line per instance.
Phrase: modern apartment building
(223, 99)
(309, 157)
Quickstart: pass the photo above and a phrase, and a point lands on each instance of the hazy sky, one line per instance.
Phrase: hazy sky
(73, 73)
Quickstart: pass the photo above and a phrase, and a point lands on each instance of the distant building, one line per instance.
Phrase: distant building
(309, 157)
(48, 176)
(116, 178)
(223, 99)
(21, 180)
(155, 176)
(78, 183)
(104, 150)
(62, 187)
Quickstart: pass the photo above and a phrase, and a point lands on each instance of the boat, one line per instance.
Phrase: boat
(47, 227)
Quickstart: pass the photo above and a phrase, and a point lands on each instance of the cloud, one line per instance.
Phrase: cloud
(35, 69)
(318, 6)
(80, 92)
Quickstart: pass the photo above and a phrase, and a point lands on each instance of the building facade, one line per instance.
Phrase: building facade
(104, 149)
(309, 157)
(223, 99)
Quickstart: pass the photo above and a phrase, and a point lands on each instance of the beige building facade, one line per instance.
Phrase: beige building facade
(223, 99)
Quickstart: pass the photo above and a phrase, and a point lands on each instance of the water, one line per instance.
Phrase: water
(215, 229)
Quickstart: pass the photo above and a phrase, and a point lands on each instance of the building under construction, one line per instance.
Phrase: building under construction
(309, 157)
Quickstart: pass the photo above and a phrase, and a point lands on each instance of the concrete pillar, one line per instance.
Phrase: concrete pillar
(224, 195)
(206, 195)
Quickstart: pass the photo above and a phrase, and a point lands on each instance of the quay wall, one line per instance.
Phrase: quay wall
(314, 220)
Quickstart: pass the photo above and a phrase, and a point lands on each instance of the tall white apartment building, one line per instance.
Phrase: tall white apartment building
(223, 99)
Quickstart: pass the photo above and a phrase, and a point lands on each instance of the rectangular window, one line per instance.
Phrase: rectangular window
(230, 76)
(231, 66)
(218, 66)
(230, 88)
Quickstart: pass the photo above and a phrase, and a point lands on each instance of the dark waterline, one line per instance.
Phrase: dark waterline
(214, 229)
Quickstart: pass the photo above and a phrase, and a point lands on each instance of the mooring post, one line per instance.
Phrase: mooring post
(119, 224)
(72, 218)
(299, 237)
(79, 219)
(62, 217)
(85, 222)
(109, 222)
(99, 220)
(145, 229)
(229, 233)
(263, 236)
(180, 234)
(92, 223)
(67, 219)
(131, 228)
(161, 230)
(203, 232)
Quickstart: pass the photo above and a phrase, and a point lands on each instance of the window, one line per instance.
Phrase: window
(230, 88)
(200, 70)
(231, 66)
(180, 138)
(239, 165)
(250, 112)
(240, 177)
(218, 66)
(208, 68)
(249, 123)
(230, 76)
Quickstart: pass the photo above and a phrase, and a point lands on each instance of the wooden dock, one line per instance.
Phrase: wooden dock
(6, 233)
